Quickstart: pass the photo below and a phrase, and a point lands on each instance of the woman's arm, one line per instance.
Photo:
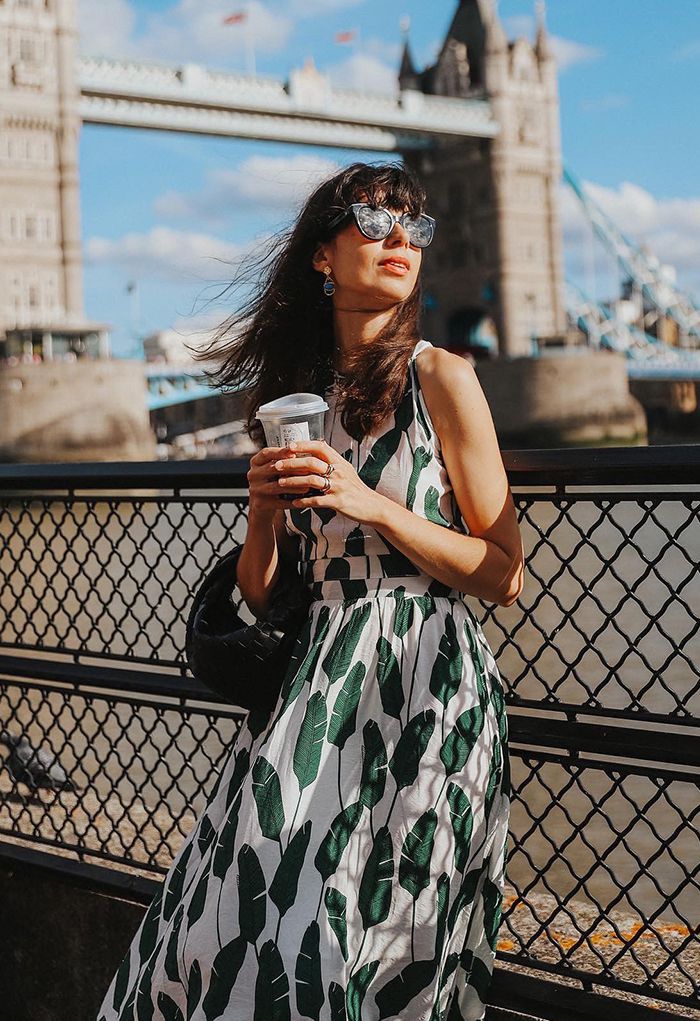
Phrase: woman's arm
(488, 563)
(258, 565)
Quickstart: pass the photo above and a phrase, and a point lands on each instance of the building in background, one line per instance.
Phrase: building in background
(494, 281)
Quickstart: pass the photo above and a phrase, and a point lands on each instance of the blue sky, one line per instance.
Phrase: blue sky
(165, 209)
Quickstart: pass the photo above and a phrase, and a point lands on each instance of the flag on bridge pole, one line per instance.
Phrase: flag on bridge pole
(240, 18)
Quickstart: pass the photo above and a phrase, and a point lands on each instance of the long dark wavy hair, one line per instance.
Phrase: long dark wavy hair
(280, 340)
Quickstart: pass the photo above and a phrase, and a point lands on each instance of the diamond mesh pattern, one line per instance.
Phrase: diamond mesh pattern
(604, 849)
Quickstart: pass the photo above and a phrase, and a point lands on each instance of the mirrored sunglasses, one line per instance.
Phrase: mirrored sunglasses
(378, 223)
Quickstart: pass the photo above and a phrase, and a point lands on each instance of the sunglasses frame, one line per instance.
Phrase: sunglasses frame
(354, 207)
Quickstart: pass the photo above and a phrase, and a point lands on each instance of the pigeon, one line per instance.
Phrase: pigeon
(35, 768)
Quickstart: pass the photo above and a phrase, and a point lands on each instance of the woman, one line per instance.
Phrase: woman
(350, 862)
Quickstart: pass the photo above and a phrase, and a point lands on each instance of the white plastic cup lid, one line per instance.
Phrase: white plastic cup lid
(292, 405)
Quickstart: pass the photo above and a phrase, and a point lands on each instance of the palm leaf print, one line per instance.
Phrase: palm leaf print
(144, 1006)
(331, 848)
(283, 888)
(199, 899)
(478, 974)
(478, 659)
(420, 414)
(357, 988)
(443, 901)
(307, 669)
(307, 751)
(403, 616)
(494, 777)
(173, 893)
(149, 927)
(172, 969)
(376, 882)
(336, 906)
(431, 507)
(393, 997)
(382, 451)
(344, 716)
(194, 988)
(268, 798)
(205, 835)
(461, 739)
(240, 771)
(492, 898)
(421, 460)
(271, 986)
(169, 1009)
(426, 605)
(121, 983)
(336, 999)
(462, 824)
(251, 894)
(389, 679)
(449, 966)
(373, 778)
(416, 852)
(410, 748)
(355, 542)
(339, 658)
(227, 963)
(223, 848)
(465, 895)
(447, 668)
(127, 1013)
(309, 982)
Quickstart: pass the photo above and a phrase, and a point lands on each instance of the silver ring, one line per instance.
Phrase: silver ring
(326, 485)
(329, 470)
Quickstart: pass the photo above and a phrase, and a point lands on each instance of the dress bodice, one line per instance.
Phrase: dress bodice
(402, 460)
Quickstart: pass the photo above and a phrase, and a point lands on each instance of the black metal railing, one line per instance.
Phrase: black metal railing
(599, 657)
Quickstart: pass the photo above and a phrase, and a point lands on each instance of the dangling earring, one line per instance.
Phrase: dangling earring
(328, 284)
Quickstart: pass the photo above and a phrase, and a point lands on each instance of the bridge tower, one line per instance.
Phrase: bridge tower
(41, 283)
(497, 256)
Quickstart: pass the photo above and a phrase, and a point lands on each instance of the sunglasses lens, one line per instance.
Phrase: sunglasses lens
(420, 230)
(374, 223)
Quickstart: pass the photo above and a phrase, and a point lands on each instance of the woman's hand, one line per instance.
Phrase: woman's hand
(348, 494)
(265, 497)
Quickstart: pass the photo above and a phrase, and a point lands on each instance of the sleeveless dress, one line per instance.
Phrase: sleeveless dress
(350, 862)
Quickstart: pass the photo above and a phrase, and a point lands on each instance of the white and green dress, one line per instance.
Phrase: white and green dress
(350, 862)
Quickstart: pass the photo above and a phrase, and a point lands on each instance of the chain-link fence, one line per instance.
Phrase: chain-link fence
(111, 749)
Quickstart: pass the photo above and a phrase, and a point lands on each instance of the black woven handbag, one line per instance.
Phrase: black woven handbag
(244, 663)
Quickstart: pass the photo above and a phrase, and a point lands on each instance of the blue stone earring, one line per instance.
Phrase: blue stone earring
(328, 284)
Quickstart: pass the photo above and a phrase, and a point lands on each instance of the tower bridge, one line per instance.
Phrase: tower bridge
(480, 126)
(305, 110)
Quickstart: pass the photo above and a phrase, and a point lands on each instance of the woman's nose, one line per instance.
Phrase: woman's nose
(399, 233)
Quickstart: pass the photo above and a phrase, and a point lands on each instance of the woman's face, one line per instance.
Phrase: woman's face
(378, 274)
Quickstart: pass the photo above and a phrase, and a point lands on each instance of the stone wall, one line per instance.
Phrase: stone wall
(562, 398)
(75, 411)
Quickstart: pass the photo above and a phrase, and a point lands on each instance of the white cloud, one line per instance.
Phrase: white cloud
(187, 31)
(264, 182)
(567, 52)
(669, 228)
(167, 254)
(314, 8)
(365, 72)
(106, 28)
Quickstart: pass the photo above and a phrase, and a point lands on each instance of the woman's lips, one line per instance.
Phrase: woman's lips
(395, 267)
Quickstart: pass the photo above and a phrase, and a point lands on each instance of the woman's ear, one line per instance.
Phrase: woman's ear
(320, 259)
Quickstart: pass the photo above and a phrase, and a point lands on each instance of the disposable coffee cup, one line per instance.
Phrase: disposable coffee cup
(299, 416)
